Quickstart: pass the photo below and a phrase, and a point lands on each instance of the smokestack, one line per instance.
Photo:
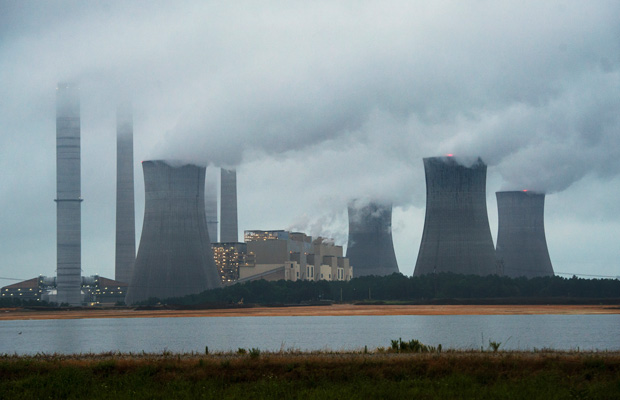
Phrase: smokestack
(228, 208)
(68, 195)
(211, 205)
(521, 243)
(456, 236)
(125, 211)
(370, 249)
(175, 257)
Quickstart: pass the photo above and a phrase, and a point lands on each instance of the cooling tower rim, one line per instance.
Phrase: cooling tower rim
(361, 203)
(458, 161)
(524, 192)
(172, 163)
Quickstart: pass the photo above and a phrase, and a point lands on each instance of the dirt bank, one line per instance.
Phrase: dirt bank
(333, 310)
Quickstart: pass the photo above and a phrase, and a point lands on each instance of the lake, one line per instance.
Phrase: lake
(515, 332)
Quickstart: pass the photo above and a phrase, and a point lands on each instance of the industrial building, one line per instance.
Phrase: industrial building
(228, 207)
(125, 256)
(328, 261)
(174, 256)
(94, 289)
(521, 242)
(229, 258)
(294, 256)
(370, 248)
(456, 237)
(68, 194)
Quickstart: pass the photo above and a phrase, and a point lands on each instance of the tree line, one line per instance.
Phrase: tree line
(432, 288)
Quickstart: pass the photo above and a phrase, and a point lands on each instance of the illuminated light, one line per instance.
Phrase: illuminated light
(450, 155)
(525, 190)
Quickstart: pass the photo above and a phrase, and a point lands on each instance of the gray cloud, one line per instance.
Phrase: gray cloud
(316, 104)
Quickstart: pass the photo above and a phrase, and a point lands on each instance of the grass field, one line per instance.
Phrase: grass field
(252, 374)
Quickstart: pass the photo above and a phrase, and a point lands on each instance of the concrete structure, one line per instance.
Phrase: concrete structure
(272, 249)
(101, 290)
(211, 204)
(521, 242)
(29, 289)
(125, 207)
(68, 194)
(294, 256)
(229, 258)
(94, 290)
(174, 257)
(268, 272)
(370, 249)
(456, 236)
(329, 263)
(228, 207)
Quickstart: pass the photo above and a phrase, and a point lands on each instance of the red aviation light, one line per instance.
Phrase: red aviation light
(525, 190)
(450, 155)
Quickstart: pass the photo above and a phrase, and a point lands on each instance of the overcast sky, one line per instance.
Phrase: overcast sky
(316, 103)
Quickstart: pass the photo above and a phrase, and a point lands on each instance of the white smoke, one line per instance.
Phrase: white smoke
(316, 104)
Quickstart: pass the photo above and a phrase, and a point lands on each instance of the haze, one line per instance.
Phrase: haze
(316, 104)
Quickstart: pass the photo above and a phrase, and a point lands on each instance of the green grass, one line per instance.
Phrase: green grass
(315, 375)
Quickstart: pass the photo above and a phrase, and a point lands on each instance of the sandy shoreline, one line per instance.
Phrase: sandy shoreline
(333, 310)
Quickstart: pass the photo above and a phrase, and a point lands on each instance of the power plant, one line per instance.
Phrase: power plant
(456, 236)
(68, 195)
(228, 208)
(174, 257)
(125, 208)
(521, 243)
(370, 249)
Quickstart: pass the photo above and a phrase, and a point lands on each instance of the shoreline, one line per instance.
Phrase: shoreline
(301, 311)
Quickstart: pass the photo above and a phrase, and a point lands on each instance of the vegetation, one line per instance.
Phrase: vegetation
(7, 302)
(438, 289)
(317, 375)
(413, 346)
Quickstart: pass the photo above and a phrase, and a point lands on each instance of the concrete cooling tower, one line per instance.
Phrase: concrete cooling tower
(456, 236)
(68, 196)
(521, 243)
(125, 208)
(370, 249)
(174, 256)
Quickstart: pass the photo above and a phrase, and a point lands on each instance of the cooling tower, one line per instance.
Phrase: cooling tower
(125, 211)
(228, 207)
(370, 249)
(211, 205)
(174, 256)
(456, 236)
(521, 243)
(68, 200)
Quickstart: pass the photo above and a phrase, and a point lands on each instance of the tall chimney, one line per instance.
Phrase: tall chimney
(456, 236)
(211, 204)
(68, 196)
(228, 208)
(174, 257)
(370, 249)
(521, 242)
(125, 208)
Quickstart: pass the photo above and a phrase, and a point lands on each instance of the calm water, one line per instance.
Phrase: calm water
(592, 332)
